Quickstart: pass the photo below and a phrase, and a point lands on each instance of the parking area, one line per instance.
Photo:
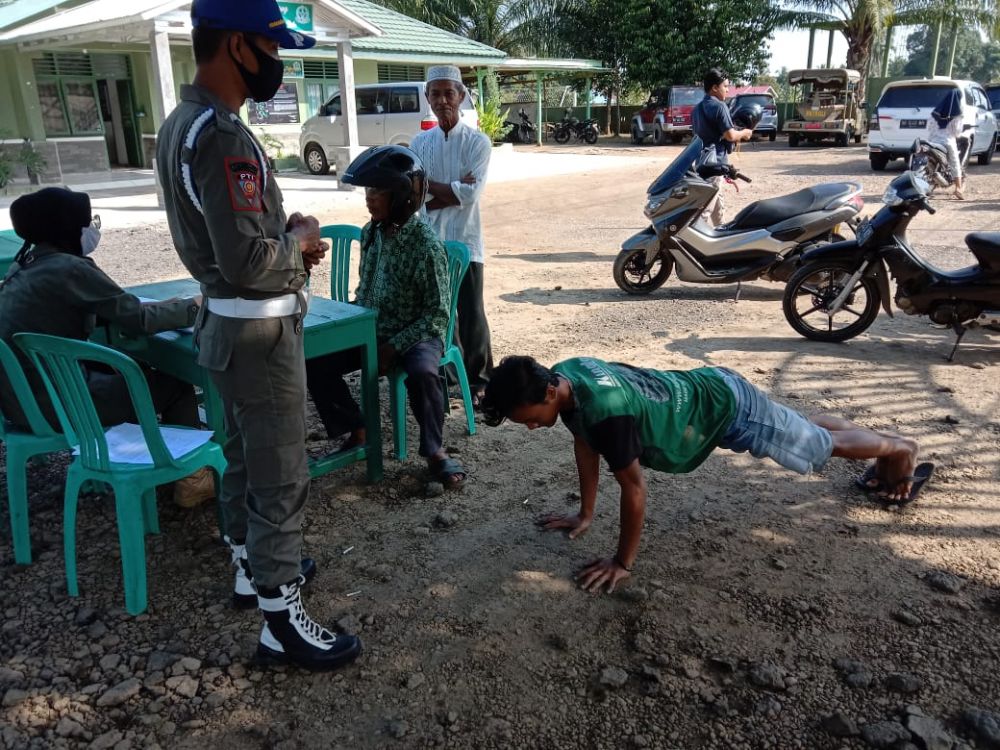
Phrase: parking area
(476, 635)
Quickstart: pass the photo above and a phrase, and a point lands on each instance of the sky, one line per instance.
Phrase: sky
(790, 49)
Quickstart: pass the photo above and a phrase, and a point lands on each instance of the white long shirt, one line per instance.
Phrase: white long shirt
(448, 158)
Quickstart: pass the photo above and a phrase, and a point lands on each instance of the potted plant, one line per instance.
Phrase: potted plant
(274, 149)
(34, 163)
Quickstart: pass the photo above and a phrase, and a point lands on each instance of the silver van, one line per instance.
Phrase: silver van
(388, 113)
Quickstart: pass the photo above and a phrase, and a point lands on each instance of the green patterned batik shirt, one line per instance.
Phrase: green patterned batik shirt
(405, 279)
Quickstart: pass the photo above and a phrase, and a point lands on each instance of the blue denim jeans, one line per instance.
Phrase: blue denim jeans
(765, 428)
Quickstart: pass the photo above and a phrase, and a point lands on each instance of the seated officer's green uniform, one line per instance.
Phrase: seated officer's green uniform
(225, 214)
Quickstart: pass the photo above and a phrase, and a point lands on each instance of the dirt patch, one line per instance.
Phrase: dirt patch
(767, 610)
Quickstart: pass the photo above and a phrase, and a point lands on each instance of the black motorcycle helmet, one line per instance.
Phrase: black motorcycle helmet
(392, 168)
(747, 116)
(54, 215)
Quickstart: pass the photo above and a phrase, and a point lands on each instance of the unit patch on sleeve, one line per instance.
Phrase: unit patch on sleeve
(243, 178)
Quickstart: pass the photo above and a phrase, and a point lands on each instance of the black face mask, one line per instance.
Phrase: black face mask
(263, 84)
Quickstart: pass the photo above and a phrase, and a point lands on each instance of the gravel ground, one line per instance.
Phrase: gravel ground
(767, 610)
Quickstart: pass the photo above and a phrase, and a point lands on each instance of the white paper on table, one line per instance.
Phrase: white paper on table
(126, 444)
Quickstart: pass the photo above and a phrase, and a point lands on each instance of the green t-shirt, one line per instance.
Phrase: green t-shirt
(669, 420)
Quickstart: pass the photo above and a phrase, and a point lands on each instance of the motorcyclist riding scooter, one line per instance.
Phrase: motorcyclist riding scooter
(762, 241)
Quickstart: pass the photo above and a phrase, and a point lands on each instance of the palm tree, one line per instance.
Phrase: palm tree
(862, 23)
(952, 14)
(518, 27)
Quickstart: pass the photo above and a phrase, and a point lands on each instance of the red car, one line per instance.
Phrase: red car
(667, 114)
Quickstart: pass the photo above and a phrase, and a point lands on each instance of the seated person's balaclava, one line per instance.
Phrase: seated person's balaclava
(54, 216)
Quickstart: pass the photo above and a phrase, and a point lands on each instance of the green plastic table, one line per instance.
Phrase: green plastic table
(329, 327)
(10, 243)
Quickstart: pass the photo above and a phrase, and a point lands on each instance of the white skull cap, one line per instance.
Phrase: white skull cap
(444, 73)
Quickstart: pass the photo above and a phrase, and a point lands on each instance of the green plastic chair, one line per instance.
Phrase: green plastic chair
(341, 237)
(22, 445)
(458, 264)
(60, 362)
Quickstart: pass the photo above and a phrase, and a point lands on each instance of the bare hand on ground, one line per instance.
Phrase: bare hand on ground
(603, 572)
(559, 521)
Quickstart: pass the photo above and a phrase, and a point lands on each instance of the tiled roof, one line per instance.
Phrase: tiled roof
(408, 35)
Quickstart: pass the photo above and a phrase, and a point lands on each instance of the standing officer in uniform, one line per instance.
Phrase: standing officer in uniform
(225, 214)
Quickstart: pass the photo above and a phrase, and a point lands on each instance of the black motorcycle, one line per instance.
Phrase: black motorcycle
(569, 127)
(836, 293)
(520, 132)
(929, 160)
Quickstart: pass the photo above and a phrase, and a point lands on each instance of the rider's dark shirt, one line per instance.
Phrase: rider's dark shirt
(710, 120)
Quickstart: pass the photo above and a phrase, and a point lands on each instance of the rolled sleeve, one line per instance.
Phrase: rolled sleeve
(233, 207)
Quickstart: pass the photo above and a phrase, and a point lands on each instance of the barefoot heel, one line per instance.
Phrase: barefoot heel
(447, 468)
(863, 482)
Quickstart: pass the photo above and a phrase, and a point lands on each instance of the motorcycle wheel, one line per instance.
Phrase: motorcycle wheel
(590, 136)
(632, 276)
(811, 290)
(562, 135)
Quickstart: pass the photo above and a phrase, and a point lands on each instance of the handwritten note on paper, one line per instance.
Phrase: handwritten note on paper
(127, 445)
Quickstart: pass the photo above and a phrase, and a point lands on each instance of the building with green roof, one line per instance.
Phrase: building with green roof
(90, 81)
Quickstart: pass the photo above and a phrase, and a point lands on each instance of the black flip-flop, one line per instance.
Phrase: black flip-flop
(921, 475)
(862, 482)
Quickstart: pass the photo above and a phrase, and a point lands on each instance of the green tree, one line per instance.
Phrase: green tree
(974, 59)
(518, 27)
(946, 19)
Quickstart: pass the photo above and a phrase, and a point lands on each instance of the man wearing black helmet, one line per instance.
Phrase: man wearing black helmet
(711, 122)
(403, 276)
(226, 218)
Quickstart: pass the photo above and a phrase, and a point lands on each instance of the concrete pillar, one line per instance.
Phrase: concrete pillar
(829, 50)
(587, 83)
(812, 46)
(348, 111)
(480, 74)
(30, 124)
(161, 73)
(539, 89)
(886, 53)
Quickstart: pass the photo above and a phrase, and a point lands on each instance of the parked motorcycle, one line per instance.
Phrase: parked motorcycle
(569, 126)
(836, 293)
(763, 241)
(520, 132)
(930, 160)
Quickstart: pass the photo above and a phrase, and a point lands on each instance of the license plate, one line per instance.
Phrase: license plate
(913, 123)
(864, 232)
(814, 126)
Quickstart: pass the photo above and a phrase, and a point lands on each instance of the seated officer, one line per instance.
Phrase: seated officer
(404, 277)
(54, 287)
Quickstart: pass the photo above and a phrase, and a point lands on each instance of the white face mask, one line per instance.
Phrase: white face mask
(90, 238)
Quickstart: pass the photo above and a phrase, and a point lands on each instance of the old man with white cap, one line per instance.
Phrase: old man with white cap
(456, 158)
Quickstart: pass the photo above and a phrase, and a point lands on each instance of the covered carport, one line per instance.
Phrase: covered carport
(538, 70)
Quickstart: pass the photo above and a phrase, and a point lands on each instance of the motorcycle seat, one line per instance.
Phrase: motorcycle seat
(767, 212)
(986, 247)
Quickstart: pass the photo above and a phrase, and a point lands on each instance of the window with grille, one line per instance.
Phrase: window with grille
(389, 73)
(67, 90)
(322, 82)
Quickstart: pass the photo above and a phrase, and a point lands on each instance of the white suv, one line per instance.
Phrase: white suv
(904, 111)
(388, 113)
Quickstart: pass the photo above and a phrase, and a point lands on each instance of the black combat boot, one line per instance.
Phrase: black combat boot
(290, 636)
(244, 592)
